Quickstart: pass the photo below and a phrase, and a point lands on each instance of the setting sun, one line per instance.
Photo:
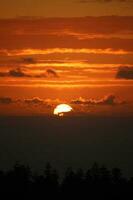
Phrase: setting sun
(61, 109)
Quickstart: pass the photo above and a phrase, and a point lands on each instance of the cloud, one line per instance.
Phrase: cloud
(34, 101)
(14, 73)
(45, 103)
(18, 73)
(28, 60)
(51, 73)
(125, 73)
(106, 32)
(6, 100)
(103, 50)
(107, 100)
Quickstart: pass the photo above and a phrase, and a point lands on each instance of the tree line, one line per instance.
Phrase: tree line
(97, 181)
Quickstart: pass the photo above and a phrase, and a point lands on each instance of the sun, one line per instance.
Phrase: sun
(61, 109)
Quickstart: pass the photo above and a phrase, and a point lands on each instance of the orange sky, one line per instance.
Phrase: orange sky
(83, 61)
(65, 8)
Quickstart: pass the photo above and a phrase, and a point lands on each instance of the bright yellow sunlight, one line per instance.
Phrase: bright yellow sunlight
(61, 109)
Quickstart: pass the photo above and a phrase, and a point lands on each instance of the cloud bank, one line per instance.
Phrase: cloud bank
(19, 73)
(106, 32)
(107, 100)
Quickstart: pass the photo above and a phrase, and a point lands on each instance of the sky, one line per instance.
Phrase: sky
(63, 8)
(74, 52)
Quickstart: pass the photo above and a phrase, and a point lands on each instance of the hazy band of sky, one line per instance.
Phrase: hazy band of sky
(64, 8)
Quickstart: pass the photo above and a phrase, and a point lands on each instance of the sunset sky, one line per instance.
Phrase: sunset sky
(73, 52)
(63, 8)
(78, 52)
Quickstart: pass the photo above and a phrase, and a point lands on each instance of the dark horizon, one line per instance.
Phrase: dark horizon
(67, 141)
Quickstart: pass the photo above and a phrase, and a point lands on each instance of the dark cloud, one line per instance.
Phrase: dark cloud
(17, 73)
(6, 100)
(14, 73)
(28, 60)
(107, 100)
(35, 101)
(51, 73)
(125, 73)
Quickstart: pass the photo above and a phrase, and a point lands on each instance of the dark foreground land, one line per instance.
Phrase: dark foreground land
(96, 182)
(69, 141)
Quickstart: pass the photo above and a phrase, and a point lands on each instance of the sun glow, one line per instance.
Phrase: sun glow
(61, 109)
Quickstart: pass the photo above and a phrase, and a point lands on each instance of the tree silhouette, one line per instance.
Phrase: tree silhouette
(96, 182)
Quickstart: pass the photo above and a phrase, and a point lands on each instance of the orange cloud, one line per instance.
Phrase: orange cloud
(106, 32)
(34, 101)
(28, 52)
